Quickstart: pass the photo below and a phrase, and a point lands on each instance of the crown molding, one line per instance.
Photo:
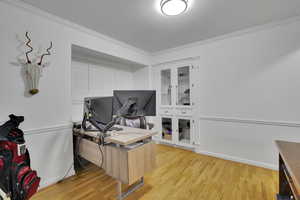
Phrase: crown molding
(37, 11)
(177, 61)
(27, 7)
(250, 121)
(229, 35)
(93, 61)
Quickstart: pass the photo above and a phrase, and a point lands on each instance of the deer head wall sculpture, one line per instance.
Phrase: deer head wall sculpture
(34, 69)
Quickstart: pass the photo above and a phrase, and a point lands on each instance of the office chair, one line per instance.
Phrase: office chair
(135, 122)
(128, 116)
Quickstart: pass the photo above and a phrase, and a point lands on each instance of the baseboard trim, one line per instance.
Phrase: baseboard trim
(239, 160)
(224, 156)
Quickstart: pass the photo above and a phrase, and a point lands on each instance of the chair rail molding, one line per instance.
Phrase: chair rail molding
(51, 129)
(250, 121)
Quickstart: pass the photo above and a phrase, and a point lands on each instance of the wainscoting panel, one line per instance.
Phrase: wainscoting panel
(51, 151)
(244, 140)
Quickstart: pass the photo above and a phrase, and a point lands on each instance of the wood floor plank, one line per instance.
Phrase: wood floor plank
(180, 175)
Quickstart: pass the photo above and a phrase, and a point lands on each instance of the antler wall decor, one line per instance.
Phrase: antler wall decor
(34, 70)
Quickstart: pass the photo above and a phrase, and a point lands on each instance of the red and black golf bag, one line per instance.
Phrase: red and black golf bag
(17, 179)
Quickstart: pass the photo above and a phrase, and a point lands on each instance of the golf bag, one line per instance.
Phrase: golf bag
(17, 179)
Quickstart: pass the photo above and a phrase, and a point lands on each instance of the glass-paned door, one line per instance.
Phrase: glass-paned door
(166, 88)
(183, 86)
(167, 130)
(184, 131)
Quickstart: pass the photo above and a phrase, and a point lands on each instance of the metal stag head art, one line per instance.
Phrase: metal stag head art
(34, 70)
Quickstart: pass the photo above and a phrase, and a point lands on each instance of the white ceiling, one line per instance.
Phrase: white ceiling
(140, 24)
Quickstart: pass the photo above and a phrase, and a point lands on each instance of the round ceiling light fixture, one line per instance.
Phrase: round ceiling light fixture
(173, 7)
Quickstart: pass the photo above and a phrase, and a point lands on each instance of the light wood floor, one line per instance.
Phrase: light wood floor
(180, 175)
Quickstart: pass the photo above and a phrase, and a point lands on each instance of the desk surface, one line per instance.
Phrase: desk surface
(125, 137)
(290, 153)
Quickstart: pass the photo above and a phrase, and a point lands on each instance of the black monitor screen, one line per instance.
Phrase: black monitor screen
(101, 108)
(145, 101)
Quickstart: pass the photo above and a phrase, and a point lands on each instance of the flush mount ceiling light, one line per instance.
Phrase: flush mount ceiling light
(173, 7)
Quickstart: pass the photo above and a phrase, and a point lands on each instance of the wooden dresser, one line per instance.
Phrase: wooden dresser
(289, 170)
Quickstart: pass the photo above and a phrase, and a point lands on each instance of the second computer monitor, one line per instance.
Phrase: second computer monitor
(145, 101)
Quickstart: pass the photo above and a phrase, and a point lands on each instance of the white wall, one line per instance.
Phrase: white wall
(141, 78)
(48, 114)
(94, 80)
(251, 78)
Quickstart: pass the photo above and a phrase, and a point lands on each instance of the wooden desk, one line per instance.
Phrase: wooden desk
(124, 163)
(289, 170)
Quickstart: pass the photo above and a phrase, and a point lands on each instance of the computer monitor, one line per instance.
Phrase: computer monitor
(101, 108)
(145, 101)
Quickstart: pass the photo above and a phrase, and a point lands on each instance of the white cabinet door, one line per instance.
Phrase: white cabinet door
(183, 85)
(195, 88)
(167, 129)
(177, 95)
(184, 131)
(166, 87)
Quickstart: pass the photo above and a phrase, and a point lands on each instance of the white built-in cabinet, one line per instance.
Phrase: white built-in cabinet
(176, 96)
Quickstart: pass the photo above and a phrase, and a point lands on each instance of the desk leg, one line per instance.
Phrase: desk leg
(123, 195)
(119, 190)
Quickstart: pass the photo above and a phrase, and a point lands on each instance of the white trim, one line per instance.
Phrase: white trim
(177, 61)
(250, 121)
(30, 8)
(178, 145)
(46, 130)
(91, 62)
(237, 159)
(229, 35)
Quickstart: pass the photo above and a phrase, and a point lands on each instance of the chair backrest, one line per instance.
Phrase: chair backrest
(134, 122)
